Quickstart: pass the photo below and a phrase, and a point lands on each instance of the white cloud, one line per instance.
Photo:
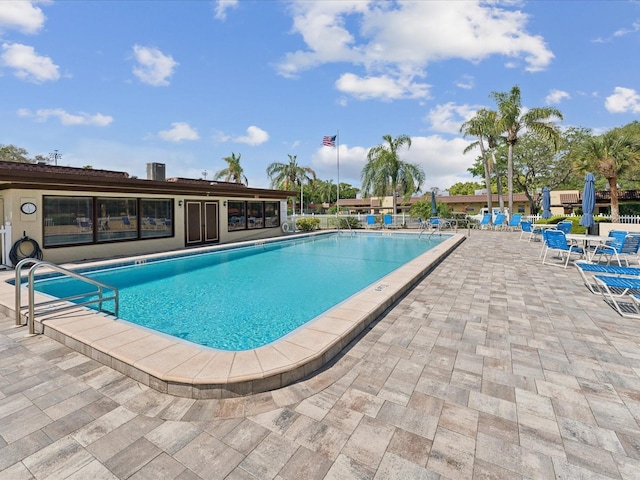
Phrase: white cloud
(623, 100)
(23, 16)
(448, 118)
(441, 159)
(466, 82)
(179, 131)
(255, 136)
(325, 163)
(556, 96)
(383, 87)
(394, 42)
(635, 27)
(222, 6)
(66, 118)
(154, 67)
(27, 64)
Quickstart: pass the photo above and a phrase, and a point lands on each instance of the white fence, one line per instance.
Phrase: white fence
(623, 218)
(407, 221)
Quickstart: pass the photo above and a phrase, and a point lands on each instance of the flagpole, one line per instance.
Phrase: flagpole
(338, 161)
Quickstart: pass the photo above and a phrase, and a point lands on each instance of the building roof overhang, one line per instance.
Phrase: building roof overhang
(46, 177)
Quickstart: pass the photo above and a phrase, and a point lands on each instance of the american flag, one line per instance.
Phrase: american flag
(329, 140)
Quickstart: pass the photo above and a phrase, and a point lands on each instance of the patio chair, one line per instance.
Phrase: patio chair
(499, 221)
(564, 226)
(387, 221)
(438, 223)
(588, 270)
(622, 293)
(126, 222)
(371, 221)
(556, 241)
(514, 222)
(622, 244)
(528, 231)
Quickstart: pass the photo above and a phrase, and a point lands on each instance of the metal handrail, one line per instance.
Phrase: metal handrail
(57, 268)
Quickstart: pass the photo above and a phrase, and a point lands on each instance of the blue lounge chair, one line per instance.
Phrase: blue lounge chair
(564, 227)
(499, 221)
(514, 221)
(388, 221)
(556, 241)
(528, 231)
(485, 222)
(126, 222)
(588, 270)
(622, 293)
(371, 221)
(621, 244)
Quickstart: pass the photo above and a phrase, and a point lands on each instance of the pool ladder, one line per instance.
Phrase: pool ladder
(58, 304)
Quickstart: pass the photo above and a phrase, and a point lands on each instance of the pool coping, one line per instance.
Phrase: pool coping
(180, 368)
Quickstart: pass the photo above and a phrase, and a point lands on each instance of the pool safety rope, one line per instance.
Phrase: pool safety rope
(17, 253)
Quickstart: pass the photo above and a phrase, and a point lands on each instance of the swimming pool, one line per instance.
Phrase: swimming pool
(244, 298)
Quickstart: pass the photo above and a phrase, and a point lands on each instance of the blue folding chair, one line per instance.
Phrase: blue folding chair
(529, 231)
(564, 226)
(388, 221)
(556, 241)
(621, 244)
(371, 221)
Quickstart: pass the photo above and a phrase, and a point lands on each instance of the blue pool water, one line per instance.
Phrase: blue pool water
(244, 298)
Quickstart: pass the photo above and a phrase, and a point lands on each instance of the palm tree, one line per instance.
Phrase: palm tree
(611, 155)
(234, 172)
(484, 126)
(385, 174)
(287, 176)
(512, 119)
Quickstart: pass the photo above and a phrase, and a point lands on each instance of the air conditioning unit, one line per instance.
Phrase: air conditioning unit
(156, 171)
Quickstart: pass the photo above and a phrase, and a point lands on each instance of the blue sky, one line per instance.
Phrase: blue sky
(119, 84)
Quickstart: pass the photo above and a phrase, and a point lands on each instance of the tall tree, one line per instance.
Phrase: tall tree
(11, 153)
(385, 174)
(535, 165)
(512, 119)
(611, 154)
(233, 172)
(484, 126)
(287, 176)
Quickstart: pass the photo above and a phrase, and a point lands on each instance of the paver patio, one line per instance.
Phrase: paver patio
(494, 366)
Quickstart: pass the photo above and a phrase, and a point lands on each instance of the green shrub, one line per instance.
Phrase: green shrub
(349, 223)
(307, 224)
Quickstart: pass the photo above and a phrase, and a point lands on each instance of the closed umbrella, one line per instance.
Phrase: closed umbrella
(434, 207)
(588, 201)
(546, 203)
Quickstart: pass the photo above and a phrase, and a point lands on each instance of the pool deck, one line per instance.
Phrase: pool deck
(493, 366)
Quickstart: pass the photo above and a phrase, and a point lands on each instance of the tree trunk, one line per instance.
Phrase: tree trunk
(487, 175)
(499, 181)
(510, 177)
(613, 188)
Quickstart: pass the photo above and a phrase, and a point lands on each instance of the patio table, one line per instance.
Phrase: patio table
(587, 241)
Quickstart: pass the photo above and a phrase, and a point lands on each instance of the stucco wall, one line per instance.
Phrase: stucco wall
(33, 225)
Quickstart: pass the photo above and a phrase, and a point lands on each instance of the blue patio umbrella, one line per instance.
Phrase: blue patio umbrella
(546, 203)
(434, 207)
(588, 201)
